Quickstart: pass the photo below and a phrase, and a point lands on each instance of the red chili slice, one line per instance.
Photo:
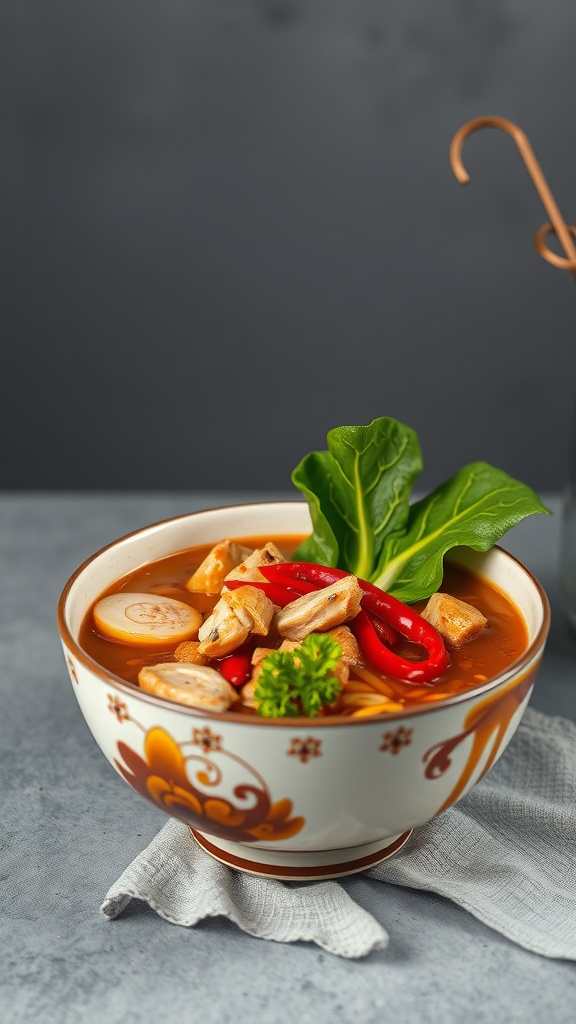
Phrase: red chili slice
(278, 594)
(390, 610)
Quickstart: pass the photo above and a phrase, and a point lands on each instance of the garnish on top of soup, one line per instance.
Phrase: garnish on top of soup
(362, 617)
(359, 491)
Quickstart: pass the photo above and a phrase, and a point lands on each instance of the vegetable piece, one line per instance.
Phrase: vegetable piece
(145, 618)
(197, 686)
(391, 664)
(280, 596)
(393, 612)
(237, 667)
(299, 682)
(456, 621)
(358, 494)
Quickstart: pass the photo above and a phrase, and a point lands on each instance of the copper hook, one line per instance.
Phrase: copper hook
(564, 232)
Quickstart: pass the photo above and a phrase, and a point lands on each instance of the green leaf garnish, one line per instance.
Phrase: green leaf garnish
(358, 493)
(299, 682)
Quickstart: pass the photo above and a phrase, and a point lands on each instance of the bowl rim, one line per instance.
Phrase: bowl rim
(107, 677)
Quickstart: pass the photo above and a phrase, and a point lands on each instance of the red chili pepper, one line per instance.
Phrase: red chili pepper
(385, 632)
(278, 594)
(237, 667)
(393, 612)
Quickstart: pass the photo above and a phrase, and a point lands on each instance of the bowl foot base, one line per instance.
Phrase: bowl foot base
(303, 866)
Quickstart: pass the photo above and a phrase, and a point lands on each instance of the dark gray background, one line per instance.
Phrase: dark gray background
(227, 226)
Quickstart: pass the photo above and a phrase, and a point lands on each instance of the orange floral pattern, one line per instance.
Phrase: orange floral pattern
(486, 722)
(161, 776)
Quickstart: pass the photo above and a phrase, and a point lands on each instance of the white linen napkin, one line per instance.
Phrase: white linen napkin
(506, 853)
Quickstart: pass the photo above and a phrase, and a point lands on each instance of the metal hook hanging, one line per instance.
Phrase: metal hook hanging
(558, 226)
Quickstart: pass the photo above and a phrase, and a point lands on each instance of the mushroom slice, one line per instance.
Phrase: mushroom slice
(197, 686)
(319, 611)
(455, 620)
(145, 618)
(248, 569)
(209, 576)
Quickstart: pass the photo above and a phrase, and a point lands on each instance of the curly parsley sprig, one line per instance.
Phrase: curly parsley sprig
(299, 682)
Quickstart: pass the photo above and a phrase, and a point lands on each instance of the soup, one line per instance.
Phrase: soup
(364, 688)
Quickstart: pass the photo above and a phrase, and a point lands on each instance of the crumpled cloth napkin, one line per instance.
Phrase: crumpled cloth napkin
(506, 853)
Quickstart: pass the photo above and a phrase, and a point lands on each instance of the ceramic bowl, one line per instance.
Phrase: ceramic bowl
(299, 798)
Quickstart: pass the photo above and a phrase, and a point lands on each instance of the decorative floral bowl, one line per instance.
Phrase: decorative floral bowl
(295, 798)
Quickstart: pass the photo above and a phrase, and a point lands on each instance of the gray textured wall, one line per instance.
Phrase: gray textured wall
(227, 226)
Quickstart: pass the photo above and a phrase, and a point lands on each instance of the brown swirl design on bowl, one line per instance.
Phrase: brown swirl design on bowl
(487, 722)
(161, 776)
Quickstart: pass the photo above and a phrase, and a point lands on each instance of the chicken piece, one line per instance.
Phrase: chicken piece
(248, 569)
(222, 632)
(197, 686)
(209, 576)
(321, 610)
(249, 603)
(237, 614)
(188, 651)
(259, 653)
(350, 650)
(248, 695)
(455, 620)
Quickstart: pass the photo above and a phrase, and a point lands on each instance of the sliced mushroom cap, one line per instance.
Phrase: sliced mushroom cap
(321, 610)
(145, 618)
(197, 686)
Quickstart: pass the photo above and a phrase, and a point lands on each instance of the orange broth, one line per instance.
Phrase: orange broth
(475, 663)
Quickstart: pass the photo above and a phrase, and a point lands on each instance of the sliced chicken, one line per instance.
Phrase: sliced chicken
(455, 620)
(251, 606)
(350, 650)
(237, 614)
(197, 686)
(222, 632)
(248, 569)
(248, 695)
(321, 610)
(209, 576)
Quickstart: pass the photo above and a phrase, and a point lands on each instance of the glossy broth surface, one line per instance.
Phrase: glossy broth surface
(477, 661)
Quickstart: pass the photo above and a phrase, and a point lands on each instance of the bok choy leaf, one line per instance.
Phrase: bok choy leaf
(358, 493)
